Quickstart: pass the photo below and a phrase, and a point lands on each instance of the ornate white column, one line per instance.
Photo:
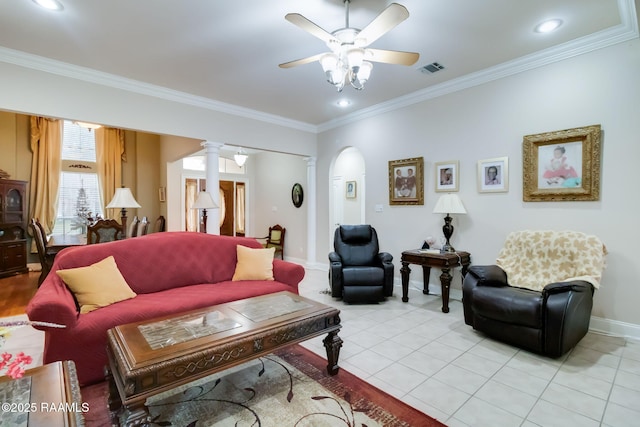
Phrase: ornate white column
(212, 150)
(311, 211)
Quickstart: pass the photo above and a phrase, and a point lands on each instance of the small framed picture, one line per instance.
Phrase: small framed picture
(447, 176)
(350, 189)
(493, 175)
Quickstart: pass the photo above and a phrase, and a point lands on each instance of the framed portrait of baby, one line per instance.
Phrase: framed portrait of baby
(562, 165)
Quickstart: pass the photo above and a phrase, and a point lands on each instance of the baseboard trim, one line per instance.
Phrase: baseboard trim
(614, 327)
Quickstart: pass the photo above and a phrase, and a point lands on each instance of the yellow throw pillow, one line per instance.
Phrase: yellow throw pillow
(254, 264)
(97, 285)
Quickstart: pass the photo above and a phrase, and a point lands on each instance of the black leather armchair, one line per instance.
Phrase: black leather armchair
(550, 322)
(358, 271)
(549, 319)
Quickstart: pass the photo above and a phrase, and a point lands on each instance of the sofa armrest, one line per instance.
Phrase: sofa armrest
(53, 302)
(575, 285)
(488, 275)
(288, 272)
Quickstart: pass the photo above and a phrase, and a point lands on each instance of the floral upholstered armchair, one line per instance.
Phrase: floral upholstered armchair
(539, 294)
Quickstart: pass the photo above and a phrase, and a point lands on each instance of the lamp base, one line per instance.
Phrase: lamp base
(447, 248)
(447, 229)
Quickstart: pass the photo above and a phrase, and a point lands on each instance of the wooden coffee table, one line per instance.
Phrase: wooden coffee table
(54, 397)
(153, 356)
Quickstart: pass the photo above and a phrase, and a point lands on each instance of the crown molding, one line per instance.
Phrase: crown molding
(626, 30)
(89, 75)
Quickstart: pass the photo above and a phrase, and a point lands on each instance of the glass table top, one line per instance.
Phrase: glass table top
(185, 328)
(269, 307)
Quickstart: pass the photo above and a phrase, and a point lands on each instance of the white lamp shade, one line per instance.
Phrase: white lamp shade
(204, 201)
(449, 204)
(123, 199)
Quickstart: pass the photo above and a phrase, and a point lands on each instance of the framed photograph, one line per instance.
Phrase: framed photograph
(297, 195)
(406, 181)
(350, 190)
(447, 176)
(562, 165)
(493, 175)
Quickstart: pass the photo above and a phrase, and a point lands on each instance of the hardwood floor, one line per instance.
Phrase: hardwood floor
(16, 291)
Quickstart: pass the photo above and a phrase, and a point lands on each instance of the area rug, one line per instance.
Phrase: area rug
(288, 388)
(26, 339)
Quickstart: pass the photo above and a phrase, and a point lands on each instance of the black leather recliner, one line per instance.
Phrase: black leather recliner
(358, 271)
(550, 322)
(539, 294)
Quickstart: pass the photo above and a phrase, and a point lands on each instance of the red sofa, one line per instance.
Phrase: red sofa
(170, 272)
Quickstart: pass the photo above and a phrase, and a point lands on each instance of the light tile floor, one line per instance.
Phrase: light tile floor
(436, 363)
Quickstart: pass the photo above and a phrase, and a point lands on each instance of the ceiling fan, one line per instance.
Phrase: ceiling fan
(349, 59)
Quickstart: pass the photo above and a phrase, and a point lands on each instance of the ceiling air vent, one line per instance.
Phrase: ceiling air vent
(432, 68)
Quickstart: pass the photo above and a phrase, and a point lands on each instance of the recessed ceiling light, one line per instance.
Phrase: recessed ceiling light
(49, 4)
(548, 26)
(344, 103)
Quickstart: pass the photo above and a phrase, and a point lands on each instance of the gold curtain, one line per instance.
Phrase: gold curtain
(109, 156)
(192, 216)
(46, 164)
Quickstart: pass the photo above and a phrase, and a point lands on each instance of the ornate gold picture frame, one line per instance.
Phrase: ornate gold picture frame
(406, 181)
(562, 165)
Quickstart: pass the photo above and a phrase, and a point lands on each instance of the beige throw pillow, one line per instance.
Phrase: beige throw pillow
(254, 264)
(97, 285)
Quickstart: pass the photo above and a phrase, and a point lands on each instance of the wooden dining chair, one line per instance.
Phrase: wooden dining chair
(46, 258)
(133, 227)
(143, 226)
(104, 230)
(275, 239)
(161, 225)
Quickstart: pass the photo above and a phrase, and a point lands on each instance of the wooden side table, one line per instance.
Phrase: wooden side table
(444, 261)
(55, 396)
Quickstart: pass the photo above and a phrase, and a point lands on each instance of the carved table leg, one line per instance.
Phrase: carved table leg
(332, 343)
(404, 272)
(136, 416)
(426, 271)
(445, 283)
(113, 400)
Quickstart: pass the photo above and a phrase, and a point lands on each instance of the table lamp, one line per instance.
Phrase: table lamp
(123, 199)
(449, 204)
(204, 201)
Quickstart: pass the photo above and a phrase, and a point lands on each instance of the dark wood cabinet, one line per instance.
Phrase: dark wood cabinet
(13, 227)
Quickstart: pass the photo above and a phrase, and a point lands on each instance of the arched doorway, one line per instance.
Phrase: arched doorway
(347, 187)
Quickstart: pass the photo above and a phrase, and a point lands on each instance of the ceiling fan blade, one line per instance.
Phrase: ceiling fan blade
(309, 27)
(385, 21)
(391, 56)
(301, 61)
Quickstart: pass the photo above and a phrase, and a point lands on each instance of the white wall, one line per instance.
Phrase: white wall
(602, 87)
(274, 176)
(350, 166)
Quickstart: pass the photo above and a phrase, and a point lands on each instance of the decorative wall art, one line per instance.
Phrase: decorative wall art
(447, 176)
(493, 175)
(562, 165)
(406, 181)
(351, 189)
(297, 195)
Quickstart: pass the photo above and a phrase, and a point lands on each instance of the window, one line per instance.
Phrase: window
(78, 193)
